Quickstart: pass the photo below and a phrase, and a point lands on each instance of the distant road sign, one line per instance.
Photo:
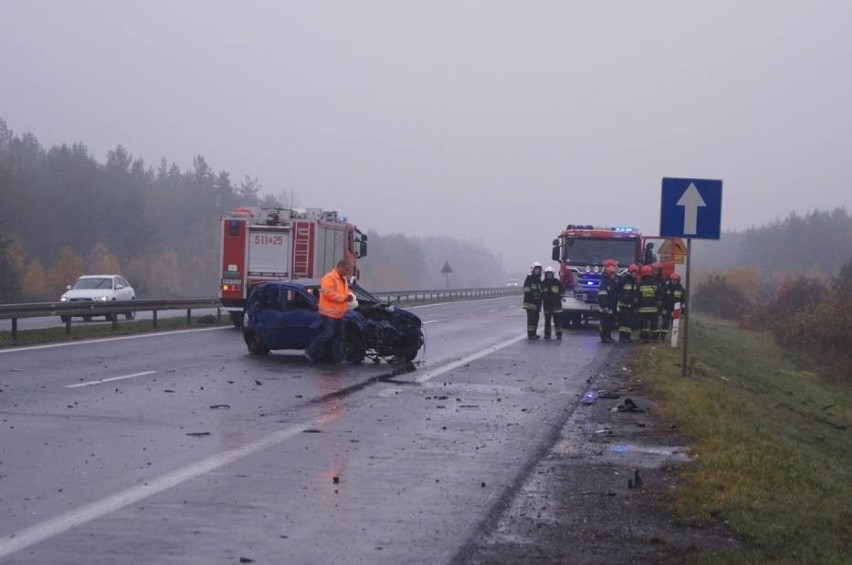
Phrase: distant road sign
(691, 208)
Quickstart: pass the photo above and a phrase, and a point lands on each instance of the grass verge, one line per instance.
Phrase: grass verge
(772, 444)
(84, 330)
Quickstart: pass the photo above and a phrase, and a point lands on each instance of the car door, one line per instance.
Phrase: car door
(300, 321)
(123, 289)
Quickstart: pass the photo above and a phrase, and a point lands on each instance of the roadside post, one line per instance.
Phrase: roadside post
(691, 209)
(446, 270)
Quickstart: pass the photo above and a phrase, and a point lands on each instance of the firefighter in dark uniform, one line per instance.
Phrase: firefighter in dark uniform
(552, 302)
(673, 293)
(625, 292)
(648, 301)
(532, 299)
(607, 301)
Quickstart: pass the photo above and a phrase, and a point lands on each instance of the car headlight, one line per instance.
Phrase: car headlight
(102, 298)
(63, 299)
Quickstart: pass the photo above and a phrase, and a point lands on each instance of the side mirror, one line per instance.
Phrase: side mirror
(555, 254)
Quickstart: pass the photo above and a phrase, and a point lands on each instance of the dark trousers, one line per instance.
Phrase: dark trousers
(532, 321)
(625, 322)
(556, 317)
(607, 323)
(649, 325)
(332, 335)
(665, 324)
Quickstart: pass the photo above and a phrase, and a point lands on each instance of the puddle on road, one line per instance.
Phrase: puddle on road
(647, 456)
(628, 454)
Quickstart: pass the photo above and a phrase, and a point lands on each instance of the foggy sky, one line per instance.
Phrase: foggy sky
(495, 120)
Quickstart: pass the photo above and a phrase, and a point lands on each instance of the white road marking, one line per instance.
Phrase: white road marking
(88, 383)
(98, 509)
(108, 339)
(465, 360)
(455, 364)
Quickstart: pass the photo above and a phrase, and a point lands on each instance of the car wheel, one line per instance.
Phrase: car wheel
(109, 317)
(87, 318)
(236, 319)
(255, 344)
(353, 347)
(411, 354)
(65, 319)
(130, 314)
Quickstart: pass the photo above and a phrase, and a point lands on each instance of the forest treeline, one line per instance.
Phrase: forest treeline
(817, 242)
(64, 214)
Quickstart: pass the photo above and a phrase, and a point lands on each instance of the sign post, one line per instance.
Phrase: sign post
(691, 209)
(446, 270)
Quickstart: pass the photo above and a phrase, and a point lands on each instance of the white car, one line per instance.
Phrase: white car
(99, 288)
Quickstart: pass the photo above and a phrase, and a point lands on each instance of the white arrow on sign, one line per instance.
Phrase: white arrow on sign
(691, 201)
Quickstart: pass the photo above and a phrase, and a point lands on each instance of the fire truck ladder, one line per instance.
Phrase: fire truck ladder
(301, 250)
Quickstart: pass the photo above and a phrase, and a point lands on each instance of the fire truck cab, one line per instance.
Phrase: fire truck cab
(276, 244)
(581, 250)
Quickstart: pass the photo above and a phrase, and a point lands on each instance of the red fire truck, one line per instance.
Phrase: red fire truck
(272, 244)
(581, 251)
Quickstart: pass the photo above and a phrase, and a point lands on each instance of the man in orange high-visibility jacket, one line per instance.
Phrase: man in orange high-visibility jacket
(333, 304)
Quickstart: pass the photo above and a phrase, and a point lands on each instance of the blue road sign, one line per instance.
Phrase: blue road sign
(691, 208)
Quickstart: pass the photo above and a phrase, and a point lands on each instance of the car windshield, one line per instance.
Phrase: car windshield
(363, 296)
(93, 283)
(596, 251)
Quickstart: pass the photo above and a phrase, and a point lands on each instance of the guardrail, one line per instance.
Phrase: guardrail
(425, 296)
(113, 309)
(116, 308)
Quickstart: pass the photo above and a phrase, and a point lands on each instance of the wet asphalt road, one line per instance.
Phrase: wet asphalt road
(181, 448)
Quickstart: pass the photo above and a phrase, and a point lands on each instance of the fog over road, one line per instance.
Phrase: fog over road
(182, 448)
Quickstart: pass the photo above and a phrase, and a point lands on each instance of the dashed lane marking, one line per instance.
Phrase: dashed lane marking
(99, 381)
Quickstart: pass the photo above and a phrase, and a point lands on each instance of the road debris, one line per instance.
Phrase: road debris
(629, 406)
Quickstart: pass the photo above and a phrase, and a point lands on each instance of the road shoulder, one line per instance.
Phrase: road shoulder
(581, 502)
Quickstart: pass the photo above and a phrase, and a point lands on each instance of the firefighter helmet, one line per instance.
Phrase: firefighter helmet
(535, 264)
(633, 268)
(646, 270)
(676, 277)
(610, 263)
(548, 270)
(657, 266)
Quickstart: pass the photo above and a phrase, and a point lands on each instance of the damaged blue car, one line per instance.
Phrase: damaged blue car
(284, 315)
